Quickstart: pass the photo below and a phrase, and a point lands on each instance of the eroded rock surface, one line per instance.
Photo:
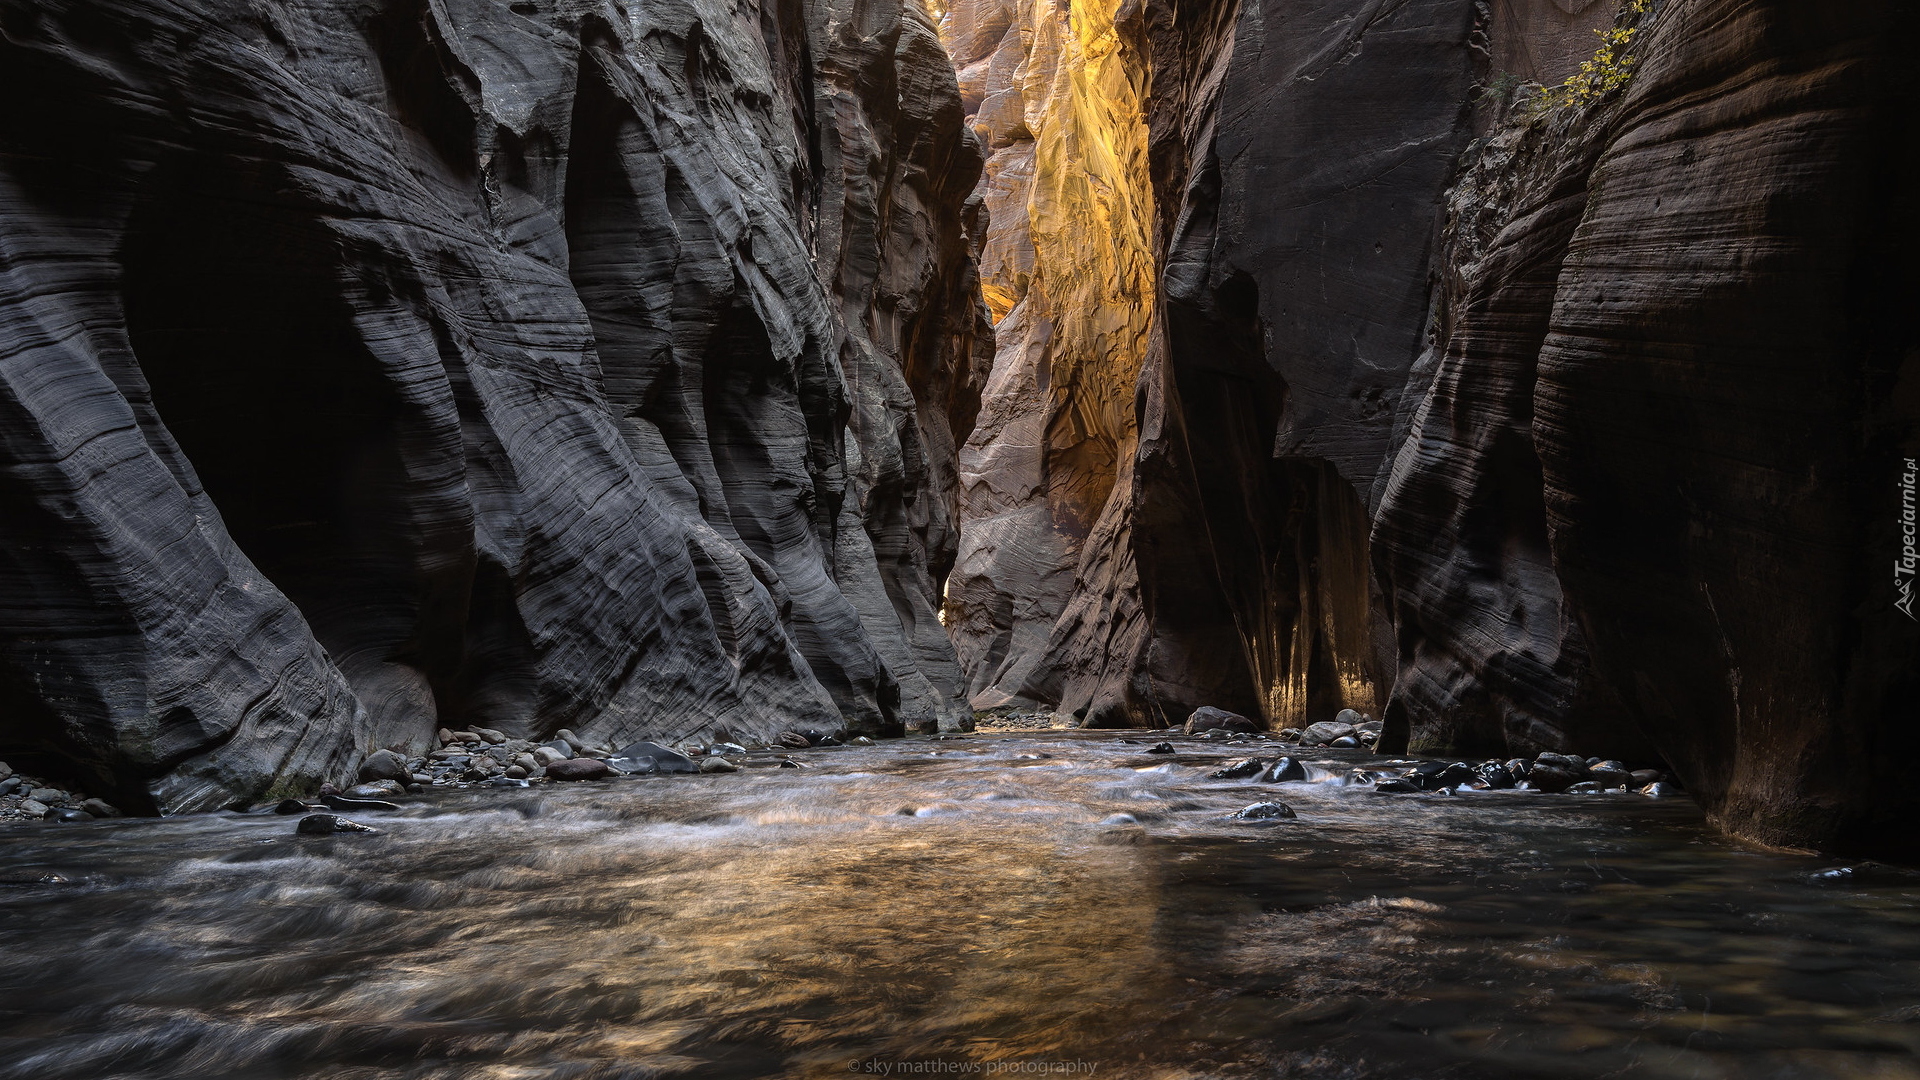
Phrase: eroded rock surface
(369, 367)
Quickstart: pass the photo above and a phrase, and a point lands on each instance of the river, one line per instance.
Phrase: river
(1054, 903)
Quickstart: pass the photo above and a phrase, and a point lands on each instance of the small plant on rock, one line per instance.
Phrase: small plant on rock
(1610, 69)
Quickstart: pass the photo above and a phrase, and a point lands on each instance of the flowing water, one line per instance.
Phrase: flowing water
(1038, 904)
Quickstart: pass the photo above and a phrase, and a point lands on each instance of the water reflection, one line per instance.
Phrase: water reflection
(999, 903)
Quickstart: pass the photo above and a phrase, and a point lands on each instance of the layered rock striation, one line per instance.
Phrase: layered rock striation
(1056, 92)
(368, 368)
(1534, 422)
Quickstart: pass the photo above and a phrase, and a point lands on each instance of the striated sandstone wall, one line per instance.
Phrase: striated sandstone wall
(1056, 93)
(367, 367)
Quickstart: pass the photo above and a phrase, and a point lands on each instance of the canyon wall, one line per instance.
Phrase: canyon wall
(1571, 422)
(371, 367)
(1056, 93)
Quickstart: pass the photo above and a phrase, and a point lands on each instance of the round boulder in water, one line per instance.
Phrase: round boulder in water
(66, 814)
(1160, 748)
(1208, 718)
(1610, 774)
(329, 824)
(1240, 770)
(650, 757)
(717, 765)
(385, 765)
(1264, 811)
(579, 769)
(1325, 732)
(1286, 771)
(1550, 778)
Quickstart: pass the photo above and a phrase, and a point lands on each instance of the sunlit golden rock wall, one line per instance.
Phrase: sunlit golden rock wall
(1055, 91)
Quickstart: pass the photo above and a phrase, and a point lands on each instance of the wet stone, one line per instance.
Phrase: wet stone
(1241, 769)
(1208, 718)
(1160, 748)
(1551, 778)
(1264, 811)
(1286, 770)
(328, 825)
(579, 769)
(384, 765)
(379, 789)
(1325, 732)
(651, 757)
(67, 814)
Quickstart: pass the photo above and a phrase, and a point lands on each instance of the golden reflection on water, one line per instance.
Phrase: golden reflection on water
(1010, 901)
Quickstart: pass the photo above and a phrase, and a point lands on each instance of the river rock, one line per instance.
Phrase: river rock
(1264, 811)
(1494, 776)
(579, 769)
(10, 785)
(385, 765)
(1662, 789)
(1286, 770)
(1587, 787)
(1325, 732)
(547, 755)
(288, 807)
(1640, 778)
(67, 814)
(1609, 774)
(736, 748)
(1208, 718)
(33, 807)
(1575, 765)
(649, 757)
(378, 789)
(1551, 778)
(329, 824)
(1345, 742)
(792, 740)
(1160, 748)
(1241, 769)
(1395, 785)
(717, 765)
(515, 772)
(1349, 717)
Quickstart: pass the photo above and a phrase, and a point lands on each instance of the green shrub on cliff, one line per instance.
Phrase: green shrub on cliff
(1610, 69)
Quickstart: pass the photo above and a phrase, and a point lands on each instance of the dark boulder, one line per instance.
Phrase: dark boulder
(1241, 769)
(1551, 778)
(650, 757)
(328, 825)
(1264, 811)
(385, 765)
(1286, 770)
(1208, 718)
(579, 769)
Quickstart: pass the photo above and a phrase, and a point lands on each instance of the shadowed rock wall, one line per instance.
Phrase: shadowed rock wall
(1575, 428)
(372, 367)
